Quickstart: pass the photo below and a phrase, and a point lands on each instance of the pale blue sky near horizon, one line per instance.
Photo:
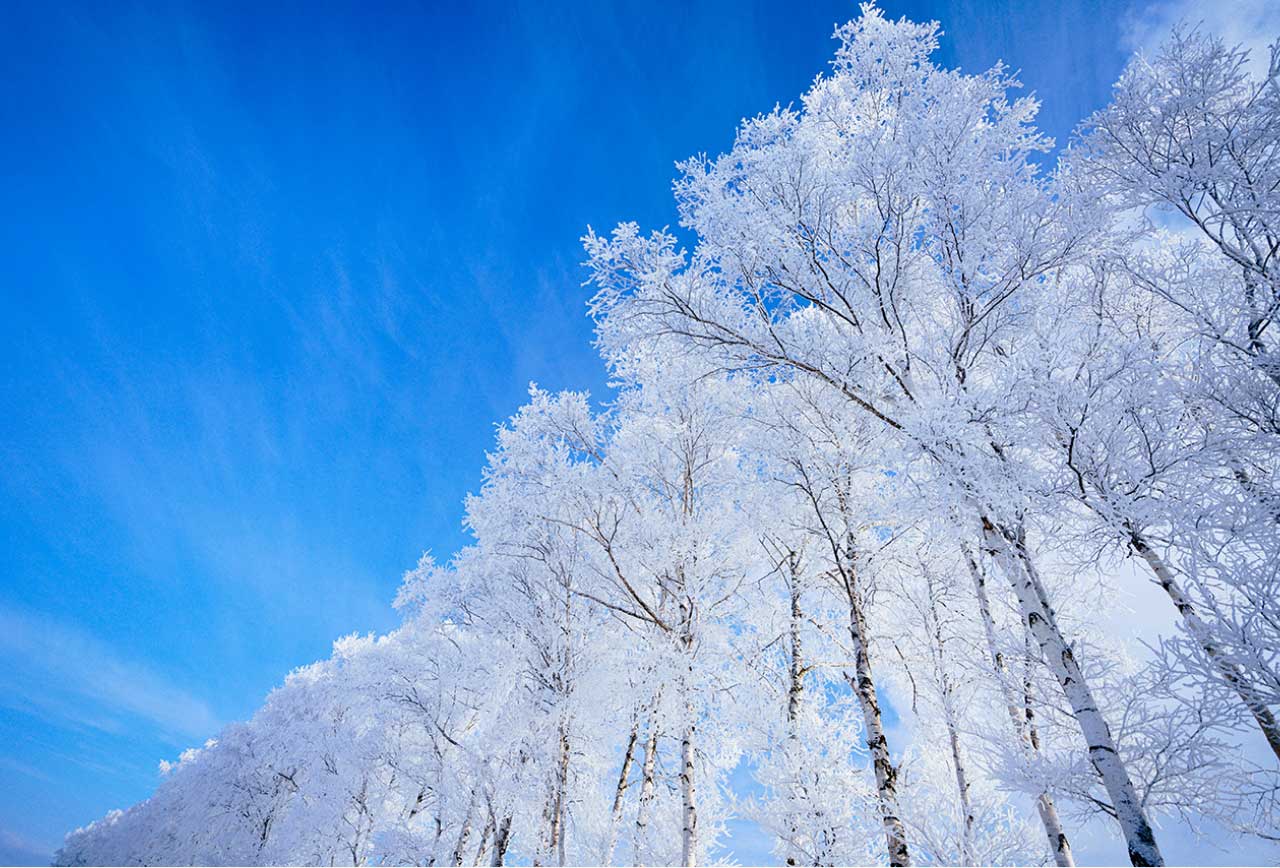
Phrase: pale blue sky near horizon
(275, 273)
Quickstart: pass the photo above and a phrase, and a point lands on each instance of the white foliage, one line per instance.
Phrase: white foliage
(852, 521)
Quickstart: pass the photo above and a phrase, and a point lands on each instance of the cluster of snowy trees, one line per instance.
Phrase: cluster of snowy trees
(888, 445)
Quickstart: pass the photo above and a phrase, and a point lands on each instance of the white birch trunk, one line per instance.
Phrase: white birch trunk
(1007, 550)
(435, 841)
(1045, 805)
(951, 719)
(795, 687)
(501, 841)
(688, 792)
(556, 844)
(962, 788)
(795, 691)
(463, 836)
(1238, 681)
(640, 843)
(1059, 845)
(615, 818)
(688, 786)
(485, 834)
(864, 688)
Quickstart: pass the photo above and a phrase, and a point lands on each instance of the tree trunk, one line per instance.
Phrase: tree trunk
(1045, 805)
(688, 792)
(688, 786)
(485, 833)
(500, 842)
(795, 691)
(864, 688)
(1059, 845)
(962, 788)
(462, 838)
(435, 841)
(1006, 548)
(640, 843)
(615, 819)
(952, 721)
(556, 843)
(1231, 673)
(795, 687)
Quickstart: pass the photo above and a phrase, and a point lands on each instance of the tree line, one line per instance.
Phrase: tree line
(846, 552)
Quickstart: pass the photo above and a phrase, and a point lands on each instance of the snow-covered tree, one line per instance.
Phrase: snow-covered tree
(845, 550)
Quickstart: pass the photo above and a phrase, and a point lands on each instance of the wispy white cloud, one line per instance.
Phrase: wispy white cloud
(1254, 24)
(59, 671)
(13, 765)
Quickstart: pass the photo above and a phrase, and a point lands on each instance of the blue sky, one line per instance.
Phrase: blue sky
(273, 272)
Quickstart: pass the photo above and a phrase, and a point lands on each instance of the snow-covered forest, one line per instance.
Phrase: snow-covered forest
(902, 417)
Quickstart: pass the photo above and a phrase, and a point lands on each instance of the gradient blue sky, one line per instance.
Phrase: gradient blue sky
(275, 270)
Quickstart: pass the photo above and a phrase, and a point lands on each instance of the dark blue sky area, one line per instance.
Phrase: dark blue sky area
(271, 275)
